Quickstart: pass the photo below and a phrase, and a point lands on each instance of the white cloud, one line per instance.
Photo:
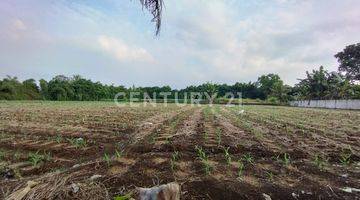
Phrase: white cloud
(204, 40)
(19, 25)
(123, 52)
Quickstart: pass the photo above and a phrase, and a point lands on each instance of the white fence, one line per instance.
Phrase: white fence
(353, 104)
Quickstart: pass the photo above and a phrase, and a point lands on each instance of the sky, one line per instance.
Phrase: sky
(221, 41)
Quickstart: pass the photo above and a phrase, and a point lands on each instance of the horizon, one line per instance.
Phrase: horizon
(114, 42)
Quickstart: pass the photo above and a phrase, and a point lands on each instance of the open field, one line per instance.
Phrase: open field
(213, 152)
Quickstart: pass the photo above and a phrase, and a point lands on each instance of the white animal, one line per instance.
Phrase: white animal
(170, 191)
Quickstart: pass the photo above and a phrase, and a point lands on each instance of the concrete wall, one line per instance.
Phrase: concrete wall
(353, 104)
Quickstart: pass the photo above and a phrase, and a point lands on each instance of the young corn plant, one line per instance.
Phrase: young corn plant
(58, 139)
(270, 176)
(77, 142)
(227, 155)
(345, 159)
(35, 158)
(118, 154)
(204, 159)
(248, 158)
(152, 139)
(287, 129)
(107, 159)
(200, 152)
(320, 162)
(218, 136)
(241, 168)
(285, 159)
(207, 167)
(206, 136)
(17, 156)
(2, 155)
(174, 157)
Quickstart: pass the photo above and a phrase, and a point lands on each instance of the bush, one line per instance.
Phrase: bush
(273, 100)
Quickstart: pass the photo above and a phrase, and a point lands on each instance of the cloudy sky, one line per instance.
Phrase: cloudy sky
(223, 41)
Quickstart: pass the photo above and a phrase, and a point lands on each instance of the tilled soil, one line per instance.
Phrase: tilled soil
(162, 145)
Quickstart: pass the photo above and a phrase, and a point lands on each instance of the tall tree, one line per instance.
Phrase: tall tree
(44, 89)
(349, 60)
(268, 82)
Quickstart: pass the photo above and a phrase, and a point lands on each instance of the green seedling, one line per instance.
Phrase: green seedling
(248, 158)
(124, 197)
(200, 152)
(17, 156)
(118, 154)
(205, 136)
(152, 139)
(227, 155)
(174, 158)
(207, 167)
(58, 139)
(77, 142)
(47, 156)
(218, 136)
(35, 158)
(285, 159)
(204, 159)
(345, 158)
(240, 169)
(107, 159)
(2, 155)
(168, 140)
(270, 176)
(319, 161)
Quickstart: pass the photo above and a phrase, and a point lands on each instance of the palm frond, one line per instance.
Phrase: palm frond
(155, 8)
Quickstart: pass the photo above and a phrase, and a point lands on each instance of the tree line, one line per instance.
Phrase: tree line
(318, 84)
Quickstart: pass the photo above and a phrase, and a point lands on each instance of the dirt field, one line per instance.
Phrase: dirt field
(213, 152)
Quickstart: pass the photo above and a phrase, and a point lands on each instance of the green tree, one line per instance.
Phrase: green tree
(44, 89)
(30, 89)
(349, 60)
(267, 84)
